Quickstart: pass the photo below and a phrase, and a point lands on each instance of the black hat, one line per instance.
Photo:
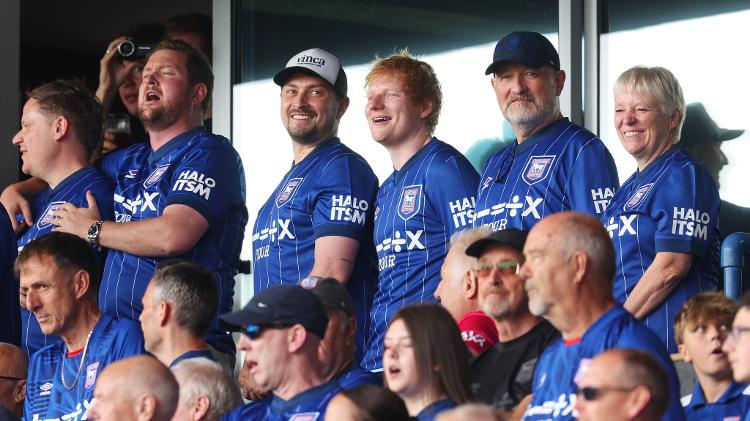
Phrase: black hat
(318, 63)
(510, 237)
(330, 292)
(286, 304)
(530, 48)
(700, 128)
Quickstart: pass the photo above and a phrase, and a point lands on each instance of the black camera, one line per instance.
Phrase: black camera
(129, 50)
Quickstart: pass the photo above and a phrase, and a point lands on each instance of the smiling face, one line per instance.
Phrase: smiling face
(645, 131)
(310, 110)
(399, 362)
(393, 117)
(165, 94)
(49, 294)
(35, 140)
(501, 295)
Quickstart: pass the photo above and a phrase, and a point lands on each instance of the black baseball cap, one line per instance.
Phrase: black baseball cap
(283, 304)
(700, 128)
(510, 237)
(530, 48)
(315, 62)
(330, 292)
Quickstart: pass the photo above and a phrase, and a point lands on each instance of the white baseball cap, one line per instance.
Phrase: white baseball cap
(315, 62)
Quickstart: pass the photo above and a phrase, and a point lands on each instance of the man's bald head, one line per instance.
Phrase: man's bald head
(135, 388)
(13, 368)
(573, 231)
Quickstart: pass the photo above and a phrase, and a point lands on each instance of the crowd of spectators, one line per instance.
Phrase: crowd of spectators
(543, 289)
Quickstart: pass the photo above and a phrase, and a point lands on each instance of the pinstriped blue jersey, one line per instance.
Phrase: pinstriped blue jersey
(309, 405)
(734, 402)
(71, 190)
(330, 192)
(670, 206)
(195, 169)
(563, 167)
(48, 399)
(10, 329)
(418, 208)
(562, 365)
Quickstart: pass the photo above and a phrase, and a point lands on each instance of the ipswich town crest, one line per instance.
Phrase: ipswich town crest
(46, 219)
(411, 202)
(638, 196)
(155, 176)
(288, 191)
(537, 168)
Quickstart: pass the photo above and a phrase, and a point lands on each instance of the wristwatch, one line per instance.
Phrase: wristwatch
(93, 232)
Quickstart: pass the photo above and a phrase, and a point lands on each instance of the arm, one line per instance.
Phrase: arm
(112, 73)
(16, 198)
(334, 257)
(176, 231)
(661, 277)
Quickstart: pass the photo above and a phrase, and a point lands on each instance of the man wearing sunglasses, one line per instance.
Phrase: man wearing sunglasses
(502, 376)
(623, 384)
(282, 328)
(567, 271)
(13, 367)
(554, 165)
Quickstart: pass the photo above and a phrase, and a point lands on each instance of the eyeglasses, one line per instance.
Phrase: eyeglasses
(736, 331)
(505, 267)
(11, 378)
(254, 331)
(591, 393)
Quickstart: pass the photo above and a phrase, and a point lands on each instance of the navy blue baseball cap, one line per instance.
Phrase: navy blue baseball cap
(530, 48)
(283, 304)
(510, 237)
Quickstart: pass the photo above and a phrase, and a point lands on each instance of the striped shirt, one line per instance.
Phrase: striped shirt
(71, 190)
(417, 210)
(196, 169)
(562, 167)
(330, 192)
(670, 206)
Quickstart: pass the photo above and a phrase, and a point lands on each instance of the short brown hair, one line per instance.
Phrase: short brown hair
(641, 368)
(442, 358)
(198, 67)
(708, 307)
(71, 99)
(420, 82)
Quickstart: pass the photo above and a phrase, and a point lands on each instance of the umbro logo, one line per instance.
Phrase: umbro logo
(46, 389)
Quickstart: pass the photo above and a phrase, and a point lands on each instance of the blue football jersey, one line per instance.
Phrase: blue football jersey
(670, 206)
(309, 405)
(418, 208)
(195, 169)
(734, 402)
(10, 329)
(432, 410)
(354, 376)
(562, 365)
(46, 396)
(71, 190)
(563, 167)
(329, 193)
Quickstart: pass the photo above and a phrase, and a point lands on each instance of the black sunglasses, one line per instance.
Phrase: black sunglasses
(505, 166)
(591, 393)
(254, 331)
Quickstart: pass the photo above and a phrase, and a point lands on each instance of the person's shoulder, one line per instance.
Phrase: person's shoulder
(45, 355)
(249, 411)
(340, 155)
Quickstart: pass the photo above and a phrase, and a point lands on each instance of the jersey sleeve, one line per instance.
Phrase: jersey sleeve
(686, 210)
(593, 179)
(344, 202)
(110, 162)
(210, 179)
(453, 185)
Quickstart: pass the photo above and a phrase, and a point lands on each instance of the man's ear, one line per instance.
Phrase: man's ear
(165, 312)
(19, 391)
(559, 81)
(638, 401)
(351, 330)
(200, 91)
(296, 337)
(201, 405)
(60, 127)
(145, 407)
(81, 283)
(427, 108)
(470, 284)
(343, 106)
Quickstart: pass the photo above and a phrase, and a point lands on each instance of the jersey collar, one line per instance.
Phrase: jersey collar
(280, 406)
(417, 157)
(657, 162)
(71, 178)
(177, 141)
(552, 130)
(319, 147)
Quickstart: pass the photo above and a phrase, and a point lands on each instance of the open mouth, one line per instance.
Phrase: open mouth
(631, 133)
(152, 96)
(380, 119)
